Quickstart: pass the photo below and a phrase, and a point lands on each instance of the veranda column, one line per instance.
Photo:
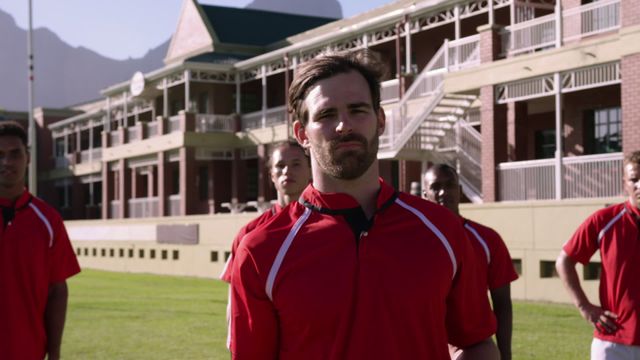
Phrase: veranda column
(630, 87)
(163, 192)
(264, 95)
(107, 182)
(124, 188)
(187, 180)
(559, 135)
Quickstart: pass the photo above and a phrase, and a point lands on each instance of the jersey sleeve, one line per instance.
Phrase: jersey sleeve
(469, 318)
(501, 271)
(254, 325)
(226, 272)
(584, 242)
(64, 263)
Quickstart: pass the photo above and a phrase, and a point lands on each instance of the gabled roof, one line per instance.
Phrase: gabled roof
(257, 27)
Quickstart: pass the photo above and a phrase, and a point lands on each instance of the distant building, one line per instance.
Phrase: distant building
(473, 83)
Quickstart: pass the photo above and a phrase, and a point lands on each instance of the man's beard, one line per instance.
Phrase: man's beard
(346, 164)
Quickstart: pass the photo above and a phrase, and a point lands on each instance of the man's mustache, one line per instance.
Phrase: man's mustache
(349, 138)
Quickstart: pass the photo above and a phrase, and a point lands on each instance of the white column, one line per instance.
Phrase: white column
(456, 13)
(107, 126)
(264, 96)
(407, 46)
(165, 98)
(558, 167)
(123, 121)
(558, 13)
(365, 40)
(187, 85)
(491, 15)
(295, 65)
(91, 142)
(512, 12)
(238, 103)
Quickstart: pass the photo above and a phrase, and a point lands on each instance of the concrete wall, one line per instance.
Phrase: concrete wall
(533, 231)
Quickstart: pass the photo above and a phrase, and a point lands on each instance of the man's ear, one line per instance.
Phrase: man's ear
(382, 120)
(301, 134)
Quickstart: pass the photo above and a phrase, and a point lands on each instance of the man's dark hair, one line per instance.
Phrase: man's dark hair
(13, 128)
(283, 145)
(365, 62)
(632, 158)
(445, 168)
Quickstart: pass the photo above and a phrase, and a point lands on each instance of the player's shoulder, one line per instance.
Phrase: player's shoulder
(606, 214)
(482, 229)
(42, 208)
(429, 209)
(271, 230)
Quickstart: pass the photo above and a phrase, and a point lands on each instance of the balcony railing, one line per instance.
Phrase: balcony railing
(114, 209)
(390, 91)
(264, 119)
(143, 207)
(132, 133)
(90, 155)
(115, 138)
(152, 129)
(464, 53)
(591, 19)
(591, 176)
(174, 123)
(174, 205)
(214, 123)
(578, 22)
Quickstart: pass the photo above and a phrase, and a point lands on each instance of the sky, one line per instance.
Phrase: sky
(120, 29)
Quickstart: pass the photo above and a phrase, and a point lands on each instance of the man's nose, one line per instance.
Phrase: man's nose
(344, 124)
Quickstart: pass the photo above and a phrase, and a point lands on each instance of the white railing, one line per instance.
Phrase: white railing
(531, 35)
(132, 133)
(419, 100)
(264, 119)
(578, 22)
(96, 154)
(114, 137)
(469, 155)
(152, 129)
(464, 53)
(143, 207)
(114, 209)
(389, 91)
(591, 19)
(174, 205)
(174, 123)
(214, 123)
(61, 161)
(590, 176)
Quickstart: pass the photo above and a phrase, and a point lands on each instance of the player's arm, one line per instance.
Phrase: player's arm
(502, 308)
(54, 317)
(254, 325)
(603, 320)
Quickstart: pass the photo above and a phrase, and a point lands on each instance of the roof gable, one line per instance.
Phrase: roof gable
(257, 27)
(193, 35)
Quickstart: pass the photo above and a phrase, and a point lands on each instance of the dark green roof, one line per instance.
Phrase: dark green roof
(218, 58)
(257, 27)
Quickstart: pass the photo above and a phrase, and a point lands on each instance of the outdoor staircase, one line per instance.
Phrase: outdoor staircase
(429, 125)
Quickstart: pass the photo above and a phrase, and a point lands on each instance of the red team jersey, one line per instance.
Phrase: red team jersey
(495, 262)
(614, 232)
(321, 281)
(35, 252)
(263, 218)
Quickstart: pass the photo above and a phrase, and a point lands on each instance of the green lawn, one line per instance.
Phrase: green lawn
(131, 316)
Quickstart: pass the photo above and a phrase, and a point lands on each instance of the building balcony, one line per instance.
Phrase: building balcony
(590, 176)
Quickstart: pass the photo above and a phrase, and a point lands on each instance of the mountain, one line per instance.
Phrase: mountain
(64, 75)
(324, 8)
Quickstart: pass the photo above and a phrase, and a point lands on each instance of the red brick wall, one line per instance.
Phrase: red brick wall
(493, 118)
(489, 44)
(630, 68)
(630, 12)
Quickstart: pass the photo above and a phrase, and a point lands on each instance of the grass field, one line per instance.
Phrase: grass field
(131, 316)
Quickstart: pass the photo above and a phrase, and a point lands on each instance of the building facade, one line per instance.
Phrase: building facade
(494, 88)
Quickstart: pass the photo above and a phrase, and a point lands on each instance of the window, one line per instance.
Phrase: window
(603, 131)
(548, 269)
(545, 142)
(591, 271)
(517, 264)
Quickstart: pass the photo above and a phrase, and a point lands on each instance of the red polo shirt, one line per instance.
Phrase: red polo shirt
(35, 252)
(493, 256)
(263, 218)
(614, 231)
(320, 281)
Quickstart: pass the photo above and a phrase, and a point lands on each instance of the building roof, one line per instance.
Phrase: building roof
(257, 27)
(218, 58)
